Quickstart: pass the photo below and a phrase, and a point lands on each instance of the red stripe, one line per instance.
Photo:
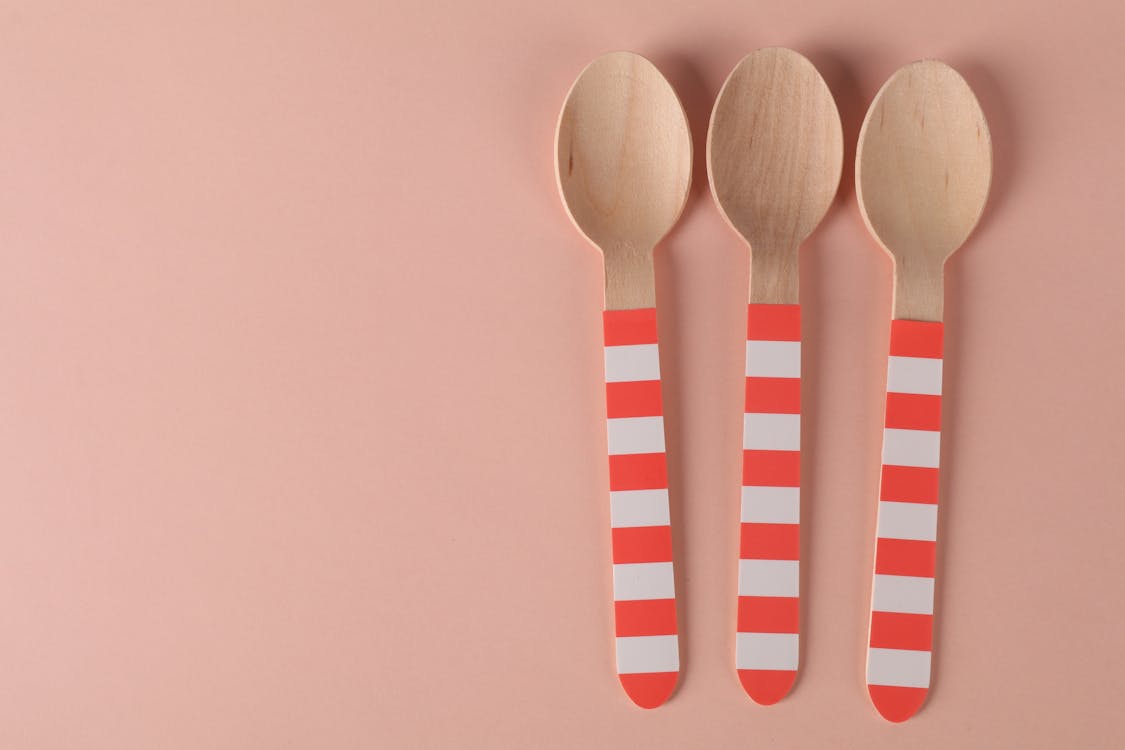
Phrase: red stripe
(770, 541)
(910, 411)
(771, 468)
(909, 484)
(649, 689)
(898, 630)
(645, 617)
(640, 471)
(639, 398)
(896, 703)
(768, 614)
(773, 395)
(905, 557)
(767, 686)
(916, 338)
(628, 327)
(773, 323)
(642, 544)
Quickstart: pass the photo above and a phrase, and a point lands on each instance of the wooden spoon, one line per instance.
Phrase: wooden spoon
(624, 168)
(923, 169)
(774, 154)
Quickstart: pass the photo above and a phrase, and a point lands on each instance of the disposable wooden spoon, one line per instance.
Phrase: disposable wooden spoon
(774, 154)
(624, 168)
(923, 169)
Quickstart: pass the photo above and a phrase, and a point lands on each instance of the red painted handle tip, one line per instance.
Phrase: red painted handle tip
(650, 689)
(896, 703)
(767, 686)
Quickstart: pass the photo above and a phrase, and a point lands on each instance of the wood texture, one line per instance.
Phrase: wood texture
(624, 168)
(775, 149)
(923, 170)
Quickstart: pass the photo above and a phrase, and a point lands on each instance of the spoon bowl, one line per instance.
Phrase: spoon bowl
(775, 150)
(923, 171)
(623, 166)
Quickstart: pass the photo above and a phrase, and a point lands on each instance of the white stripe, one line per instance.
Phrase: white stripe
(914, 375)
(906, 594)
(648, 653)
(635, 435)
(771, 504)
(629, 508)
(773, 359)
(921, 448)
(771, 432)
(627, 364)
(635, 581)
(769, 578)
(898, 667)
(916, 521)
(766, 650)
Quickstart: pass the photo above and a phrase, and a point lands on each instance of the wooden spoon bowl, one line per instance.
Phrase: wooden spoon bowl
(923, 171)
(624, 168)
(775, 149)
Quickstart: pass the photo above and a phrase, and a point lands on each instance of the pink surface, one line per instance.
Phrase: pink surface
(301, 438)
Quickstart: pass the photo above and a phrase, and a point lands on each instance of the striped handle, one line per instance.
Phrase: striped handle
(648, 655)
(902, 595)
(766, 644)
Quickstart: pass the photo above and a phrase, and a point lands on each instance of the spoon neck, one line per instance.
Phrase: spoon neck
(919, 291)
(774, 277)
(630, 279)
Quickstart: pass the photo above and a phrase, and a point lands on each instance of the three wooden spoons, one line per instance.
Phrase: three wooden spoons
(623, 163)
(923, 169)
(774, 155)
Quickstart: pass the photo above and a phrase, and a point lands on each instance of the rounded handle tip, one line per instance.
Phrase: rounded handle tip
(649, 690)
(896, 704)
(767, 686)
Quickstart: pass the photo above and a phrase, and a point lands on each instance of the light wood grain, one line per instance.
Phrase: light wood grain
(775, 150)
(923, 170)
(624, 168)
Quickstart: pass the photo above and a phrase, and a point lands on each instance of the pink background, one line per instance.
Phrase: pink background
(300, 400)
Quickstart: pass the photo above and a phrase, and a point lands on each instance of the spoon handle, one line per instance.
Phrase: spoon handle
(648, 656)
(766, 643)
(902, 594)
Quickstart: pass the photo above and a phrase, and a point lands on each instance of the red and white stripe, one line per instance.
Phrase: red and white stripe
(648, 656)
(766, 642)
(902, 596)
